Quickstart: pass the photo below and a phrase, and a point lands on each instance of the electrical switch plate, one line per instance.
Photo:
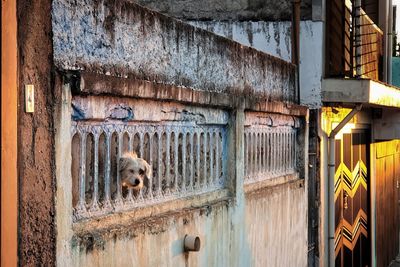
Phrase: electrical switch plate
(29, 98)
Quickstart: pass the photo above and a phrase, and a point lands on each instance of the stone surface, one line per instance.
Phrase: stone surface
(240, 10)
(123, 39)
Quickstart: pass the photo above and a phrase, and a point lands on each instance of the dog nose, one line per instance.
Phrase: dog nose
(137, 181)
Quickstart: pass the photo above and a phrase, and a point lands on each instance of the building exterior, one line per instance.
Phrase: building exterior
(345, 76)
(217, 121)
(269, 163)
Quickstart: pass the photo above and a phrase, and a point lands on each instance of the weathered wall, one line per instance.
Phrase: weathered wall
(245, 234)
(157, 58)
(35, 136)
(255, 228)
(275, 38)
(311, 63)
(128, 40)
(228, 9)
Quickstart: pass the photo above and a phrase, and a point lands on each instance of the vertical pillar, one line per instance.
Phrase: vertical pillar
(9, 197)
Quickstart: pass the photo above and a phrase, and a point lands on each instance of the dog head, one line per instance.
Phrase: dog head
(135, 172)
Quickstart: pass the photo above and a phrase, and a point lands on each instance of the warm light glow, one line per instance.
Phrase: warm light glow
(384, 95)
(345, 130)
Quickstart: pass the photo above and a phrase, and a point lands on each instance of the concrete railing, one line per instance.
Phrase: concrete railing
(186, 159)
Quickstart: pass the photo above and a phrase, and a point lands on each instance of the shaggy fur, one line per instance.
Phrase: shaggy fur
(135, 172)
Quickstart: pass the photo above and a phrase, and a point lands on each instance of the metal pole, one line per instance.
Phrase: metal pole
(357, 38)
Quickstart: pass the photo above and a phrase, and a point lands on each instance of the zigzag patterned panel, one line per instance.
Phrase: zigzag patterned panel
(351, 201)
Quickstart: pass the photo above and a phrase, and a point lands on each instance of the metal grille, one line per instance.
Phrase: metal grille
(269, 152)
(186, 159)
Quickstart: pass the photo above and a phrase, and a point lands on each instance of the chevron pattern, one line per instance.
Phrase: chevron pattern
(351, 190)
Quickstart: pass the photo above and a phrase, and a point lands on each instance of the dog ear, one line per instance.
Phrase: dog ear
(147, 169)
(123, 163)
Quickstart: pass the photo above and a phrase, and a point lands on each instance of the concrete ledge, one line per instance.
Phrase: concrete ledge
(350, 91)
(156, 212)
(257, 187)
(88, 83)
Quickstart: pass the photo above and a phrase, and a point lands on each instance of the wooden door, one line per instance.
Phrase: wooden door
(352, 247)
(387, 201)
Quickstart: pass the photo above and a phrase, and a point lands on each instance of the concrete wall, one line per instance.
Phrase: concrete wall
(258, 234)
(275, 38)
(267, 10)
(128, 40)
(311, 63)
(240, 226)
(125, 52)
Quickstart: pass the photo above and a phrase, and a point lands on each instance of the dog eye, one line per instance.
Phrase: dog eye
(131, 171)
(141, 172)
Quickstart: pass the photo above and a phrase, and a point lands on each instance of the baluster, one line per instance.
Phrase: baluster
(183, 180)
(254, 155)
(259, 152)
(81, 207)
(217, 156)
(131, 137)
(246, 144)
(107, 170)
(168, 160)
(95, 204)
(118, 199)
(191, 161)
(159, 160)
(176, 144)
(211, 136)
(198, 185)
(150, 189)
(265, 151)
(250, 152)
(269, 156)
(274, 145)
(205, 159)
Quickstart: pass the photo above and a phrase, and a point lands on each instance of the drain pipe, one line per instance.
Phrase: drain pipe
(331, 183)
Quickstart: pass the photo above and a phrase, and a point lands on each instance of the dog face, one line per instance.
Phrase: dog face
(134, 172)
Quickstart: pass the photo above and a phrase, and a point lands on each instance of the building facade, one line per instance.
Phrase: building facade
(217, 121)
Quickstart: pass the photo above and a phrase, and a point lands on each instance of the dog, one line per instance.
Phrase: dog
(134, 172)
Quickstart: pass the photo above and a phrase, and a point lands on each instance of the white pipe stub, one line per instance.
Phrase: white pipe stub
(191, 243)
